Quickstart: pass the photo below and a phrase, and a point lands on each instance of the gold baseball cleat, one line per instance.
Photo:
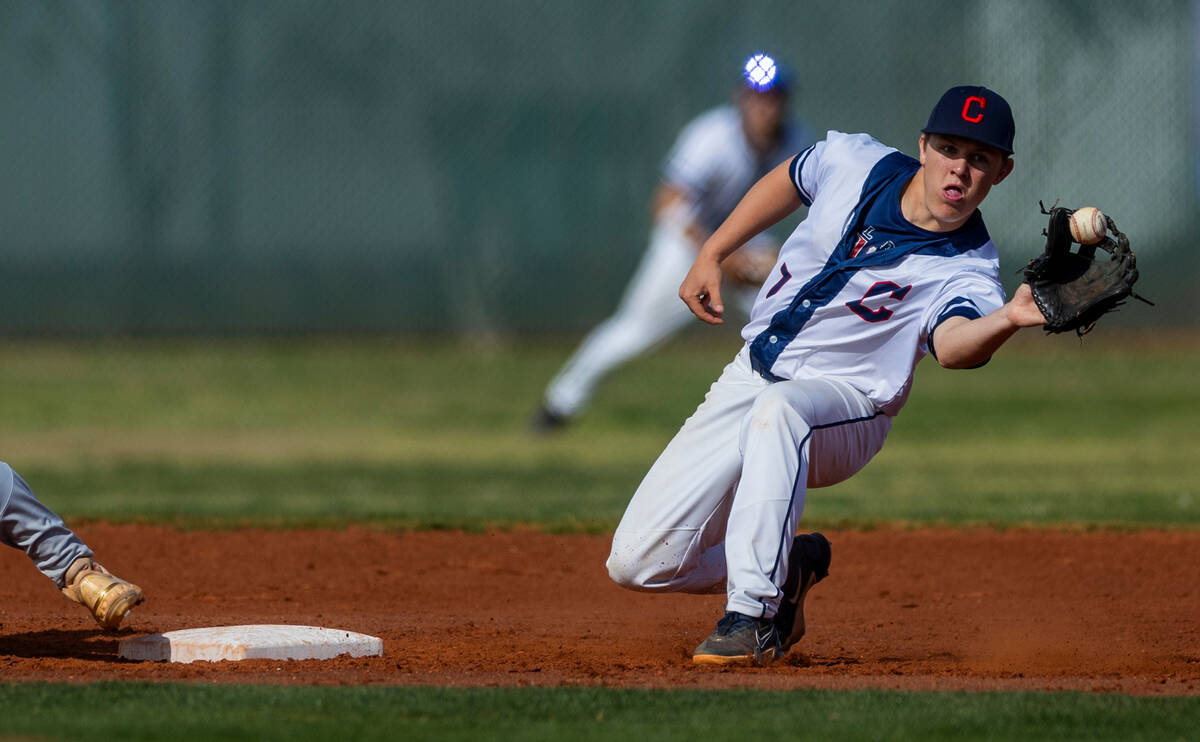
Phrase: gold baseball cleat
(107, 597)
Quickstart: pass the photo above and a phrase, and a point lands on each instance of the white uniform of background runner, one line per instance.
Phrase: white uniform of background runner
(831, 345)
(714, 165)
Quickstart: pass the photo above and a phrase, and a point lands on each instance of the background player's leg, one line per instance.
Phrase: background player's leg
(649, 313)
(27, 524)
(796, 429)
(670, 536)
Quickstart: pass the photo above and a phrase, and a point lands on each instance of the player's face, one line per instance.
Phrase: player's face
(959, 173)
(762, 117)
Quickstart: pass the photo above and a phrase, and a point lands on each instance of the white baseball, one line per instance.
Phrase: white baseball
(1087, 225)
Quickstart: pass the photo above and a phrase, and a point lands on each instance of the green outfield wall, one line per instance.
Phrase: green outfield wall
(484, 166)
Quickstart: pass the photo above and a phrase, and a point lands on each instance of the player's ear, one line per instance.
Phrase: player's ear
(921, 148)
(1005, 168)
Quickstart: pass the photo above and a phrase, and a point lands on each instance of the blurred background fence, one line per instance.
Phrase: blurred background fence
(484, 166)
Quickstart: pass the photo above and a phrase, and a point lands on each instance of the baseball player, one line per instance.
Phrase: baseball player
(716, 158)
(28, 525)
(892, 262)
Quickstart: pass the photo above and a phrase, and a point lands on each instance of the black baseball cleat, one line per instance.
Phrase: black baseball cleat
(740, 640)
(547, 421)
(808, 564)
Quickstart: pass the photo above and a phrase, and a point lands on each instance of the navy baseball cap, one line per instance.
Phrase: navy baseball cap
(762, 73)
(974, 112)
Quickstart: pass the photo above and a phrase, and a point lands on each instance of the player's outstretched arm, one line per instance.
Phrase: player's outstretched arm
(967, 343)
(770, 200)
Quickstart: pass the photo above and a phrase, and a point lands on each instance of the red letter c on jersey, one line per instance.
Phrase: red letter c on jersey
(966, 112)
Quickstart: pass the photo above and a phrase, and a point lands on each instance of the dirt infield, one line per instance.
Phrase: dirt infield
(918, 610)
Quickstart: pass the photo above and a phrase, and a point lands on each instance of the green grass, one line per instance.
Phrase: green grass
(435, 494)
(416, 435)
(413, 434)
(109, 711)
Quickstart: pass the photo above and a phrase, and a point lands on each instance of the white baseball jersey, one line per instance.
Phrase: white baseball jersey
(858, 290)
(714, 164)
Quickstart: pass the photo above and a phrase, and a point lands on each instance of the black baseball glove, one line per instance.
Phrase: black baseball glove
(1075, 289)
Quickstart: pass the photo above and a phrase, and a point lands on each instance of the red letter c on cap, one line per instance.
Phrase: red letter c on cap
(966, 112)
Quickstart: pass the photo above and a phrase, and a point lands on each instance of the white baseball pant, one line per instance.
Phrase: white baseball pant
(722, 503)
(650, 312)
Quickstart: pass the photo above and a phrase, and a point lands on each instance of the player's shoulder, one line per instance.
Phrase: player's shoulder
(720, 119)
(842, 157)
(856, 146)
(702, 148)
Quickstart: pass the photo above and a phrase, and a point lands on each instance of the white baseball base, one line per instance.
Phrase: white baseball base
(261, 641)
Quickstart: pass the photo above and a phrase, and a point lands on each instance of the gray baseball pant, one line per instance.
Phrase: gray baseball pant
(28, 525)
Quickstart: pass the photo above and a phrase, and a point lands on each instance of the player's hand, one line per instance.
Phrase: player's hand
(1022, 310)
(701, 290)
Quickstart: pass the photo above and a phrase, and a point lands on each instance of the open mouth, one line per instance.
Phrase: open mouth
(953, 193)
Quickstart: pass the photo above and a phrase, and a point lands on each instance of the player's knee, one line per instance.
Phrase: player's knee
(621, 572)
(630, 565)
(624, 569)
